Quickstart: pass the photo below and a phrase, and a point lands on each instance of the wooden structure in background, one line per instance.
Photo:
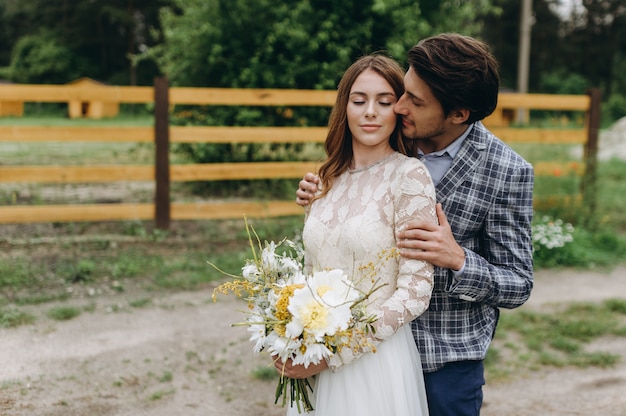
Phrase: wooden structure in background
(13, 108)
(86, 108)
(163, 210)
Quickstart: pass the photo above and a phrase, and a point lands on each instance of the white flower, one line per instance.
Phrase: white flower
(323, 307)
(296, 278)
(282, 346)
(268, 256)
(551, 233)
(334, 288)
(289, 266)
(257, 330)
(249, 271)
(313, 355)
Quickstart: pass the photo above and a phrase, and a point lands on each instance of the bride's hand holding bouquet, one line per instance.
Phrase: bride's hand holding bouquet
(296, 317)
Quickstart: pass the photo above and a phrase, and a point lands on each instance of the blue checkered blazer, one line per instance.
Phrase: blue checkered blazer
(487, 197)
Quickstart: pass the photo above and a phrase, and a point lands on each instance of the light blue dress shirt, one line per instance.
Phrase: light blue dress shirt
(439, 162)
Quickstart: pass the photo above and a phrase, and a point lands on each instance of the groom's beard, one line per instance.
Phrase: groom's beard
(427, 129)
(423, 134)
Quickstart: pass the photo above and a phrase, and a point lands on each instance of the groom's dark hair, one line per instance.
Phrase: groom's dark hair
(461, 72)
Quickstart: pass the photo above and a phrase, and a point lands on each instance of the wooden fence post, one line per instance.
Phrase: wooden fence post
(589, 180)
(162, 212)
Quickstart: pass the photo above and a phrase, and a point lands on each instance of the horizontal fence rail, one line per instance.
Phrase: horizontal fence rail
(193, 134)
(162, 134)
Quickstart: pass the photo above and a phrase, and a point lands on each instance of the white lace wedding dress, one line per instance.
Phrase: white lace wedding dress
(349, 228)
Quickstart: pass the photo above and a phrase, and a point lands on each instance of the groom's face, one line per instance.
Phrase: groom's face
(422, 115)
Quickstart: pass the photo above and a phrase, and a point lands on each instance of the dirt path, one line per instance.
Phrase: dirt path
(568, 391)
(179, 356)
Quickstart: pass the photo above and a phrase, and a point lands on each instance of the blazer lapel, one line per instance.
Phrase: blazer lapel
(469, 156)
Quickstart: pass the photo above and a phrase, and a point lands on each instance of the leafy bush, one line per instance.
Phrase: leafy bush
(559, 244)
(41, 58)
(560, 82)
(615, 107)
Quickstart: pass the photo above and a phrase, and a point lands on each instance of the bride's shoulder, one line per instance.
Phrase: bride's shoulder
(409, 166)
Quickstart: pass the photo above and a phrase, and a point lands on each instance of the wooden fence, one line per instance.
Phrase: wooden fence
(162, 135)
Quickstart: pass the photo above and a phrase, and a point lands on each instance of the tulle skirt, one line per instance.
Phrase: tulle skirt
(388, 382)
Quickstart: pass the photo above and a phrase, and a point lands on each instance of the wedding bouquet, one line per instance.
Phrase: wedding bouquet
(303, 317)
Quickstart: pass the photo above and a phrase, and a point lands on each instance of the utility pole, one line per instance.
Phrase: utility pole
(523, 59)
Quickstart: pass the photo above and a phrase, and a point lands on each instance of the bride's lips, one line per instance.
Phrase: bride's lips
(370, 127)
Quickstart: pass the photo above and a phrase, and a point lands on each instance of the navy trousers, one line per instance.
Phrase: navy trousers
(456, 389)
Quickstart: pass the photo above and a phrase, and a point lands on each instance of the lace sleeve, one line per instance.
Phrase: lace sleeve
(365, 212)
(414, 198)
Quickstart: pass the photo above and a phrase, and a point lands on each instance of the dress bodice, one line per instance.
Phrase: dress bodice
(353, 228)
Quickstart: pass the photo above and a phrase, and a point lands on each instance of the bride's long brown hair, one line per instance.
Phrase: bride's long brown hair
(338, 144)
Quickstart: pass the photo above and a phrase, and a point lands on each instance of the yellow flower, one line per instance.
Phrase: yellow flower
(282, 314)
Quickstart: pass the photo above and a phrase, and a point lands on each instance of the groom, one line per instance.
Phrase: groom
(482, 247)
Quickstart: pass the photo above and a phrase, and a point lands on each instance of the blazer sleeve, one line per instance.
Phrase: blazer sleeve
(500, 271)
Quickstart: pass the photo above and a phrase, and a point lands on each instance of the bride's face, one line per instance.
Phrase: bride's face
(370, 111)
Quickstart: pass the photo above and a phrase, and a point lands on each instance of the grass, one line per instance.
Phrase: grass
(165, 377)
(140, 303)
(56, 118)
(600, 239)
(76, 153)
(611, 185)
(527, 341)
(52, 270)
(63, 313)
(265, 373)
(11, 318)
(158, 395)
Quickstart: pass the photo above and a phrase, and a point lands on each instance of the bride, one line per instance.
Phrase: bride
(369, 190)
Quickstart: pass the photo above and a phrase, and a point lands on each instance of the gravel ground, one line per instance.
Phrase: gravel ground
(178, 355)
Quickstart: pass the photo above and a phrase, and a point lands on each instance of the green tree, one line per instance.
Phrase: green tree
(570, 52)
(600, 39)
(40, 58)
(5, 38)
(502, 32)
(101, 37)
(296, 43)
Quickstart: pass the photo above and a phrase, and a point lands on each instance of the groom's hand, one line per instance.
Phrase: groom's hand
(434, 243)
(298, 371)
(307, 189)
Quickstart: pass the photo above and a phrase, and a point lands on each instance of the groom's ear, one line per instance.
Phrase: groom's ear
(459, 116)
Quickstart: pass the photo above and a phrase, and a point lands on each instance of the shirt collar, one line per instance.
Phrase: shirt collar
(453, 148)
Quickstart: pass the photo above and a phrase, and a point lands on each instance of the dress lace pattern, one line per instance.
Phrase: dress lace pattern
(357, 220)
